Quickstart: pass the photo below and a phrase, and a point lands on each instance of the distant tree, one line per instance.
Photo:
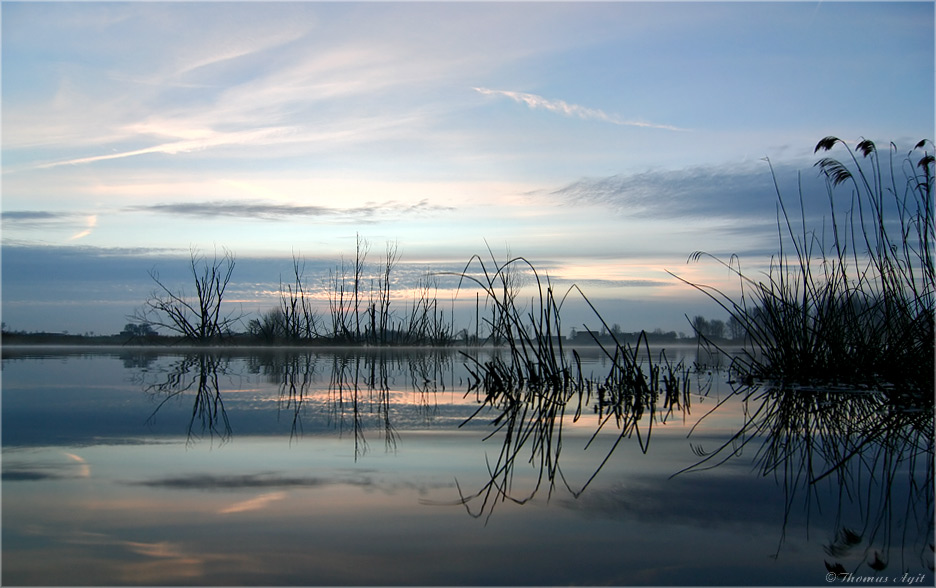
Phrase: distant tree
(200, 317)
(709, 329)
(700, 325)
(138, 330)
(381, 312)
(360, 256)
(299, 319)
(716, 329)
(735, 328)
(271, 325)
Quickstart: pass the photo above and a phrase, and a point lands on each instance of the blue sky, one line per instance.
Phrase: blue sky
(604, 141)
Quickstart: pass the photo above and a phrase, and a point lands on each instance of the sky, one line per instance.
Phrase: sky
(604, 142)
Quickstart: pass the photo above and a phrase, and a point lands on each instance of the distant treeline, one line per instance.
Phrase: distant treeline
(360, 306)
(145, 334)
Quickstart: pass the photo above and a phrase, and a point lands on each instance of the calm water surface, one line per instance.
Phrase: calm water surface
(378, 468)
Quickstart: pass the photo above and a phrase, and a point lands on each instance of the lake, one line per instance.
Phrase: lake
(133, 466)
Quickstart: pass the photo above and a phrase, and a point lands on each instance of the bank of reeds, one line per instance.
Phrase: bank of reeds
(360, 309)
(850, 301)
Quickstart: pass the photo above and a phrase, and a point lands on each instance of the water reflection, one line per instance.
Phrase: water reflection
(872, 448)
(195, 374)
(356, 382)
(294, 374)
(580, 474)
(528, 416)
(355, 392)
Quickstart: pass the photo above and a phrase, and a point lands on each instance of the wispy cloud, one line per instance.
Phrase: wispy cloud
(535, 101)
(206, 140)
(726, 191)
(84, 470)
(33, 215)
(28, 475)
(277, 211)
(82, 224)
(90, 223)
(234, 482)
(160, 562)
(77, 467)
(46, 220)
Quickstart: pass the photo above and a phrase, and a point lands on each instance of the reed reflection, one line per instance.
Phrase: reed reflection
(427, 373)
(370, 387)
(872, 449)
(346, 391)
(198, 374)
(356, 386)
(531, 404)
(834, 450)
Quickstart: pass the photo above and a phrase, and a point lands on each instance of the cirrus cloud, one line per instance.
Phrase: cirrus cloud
(279, 211)
(535, 101)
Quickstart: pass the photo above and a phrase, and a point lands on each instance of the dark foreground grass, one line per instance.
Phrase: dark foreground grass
(837, 371)
(851, 301)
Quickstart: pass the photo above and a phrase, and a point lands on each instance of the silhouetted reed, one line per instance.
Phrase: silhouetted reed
(531, 337)
(852, 303)
(528, 416)
(360, 301)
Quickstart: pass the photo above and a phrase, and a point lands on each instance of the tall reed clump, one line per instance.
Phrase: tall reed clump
(360, 300)
(851, 302)
(536, 357)
(531, 337)
(535, 383)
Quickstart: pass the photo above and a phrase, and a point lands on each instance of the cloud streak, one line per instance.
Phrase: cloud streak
(233, 482)
(84, 470)
(80, 225)
(256, 503)
(207, 141)
(90, 223)
(274, 211)
(564, 108)
(726, 191)
(33, 215)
